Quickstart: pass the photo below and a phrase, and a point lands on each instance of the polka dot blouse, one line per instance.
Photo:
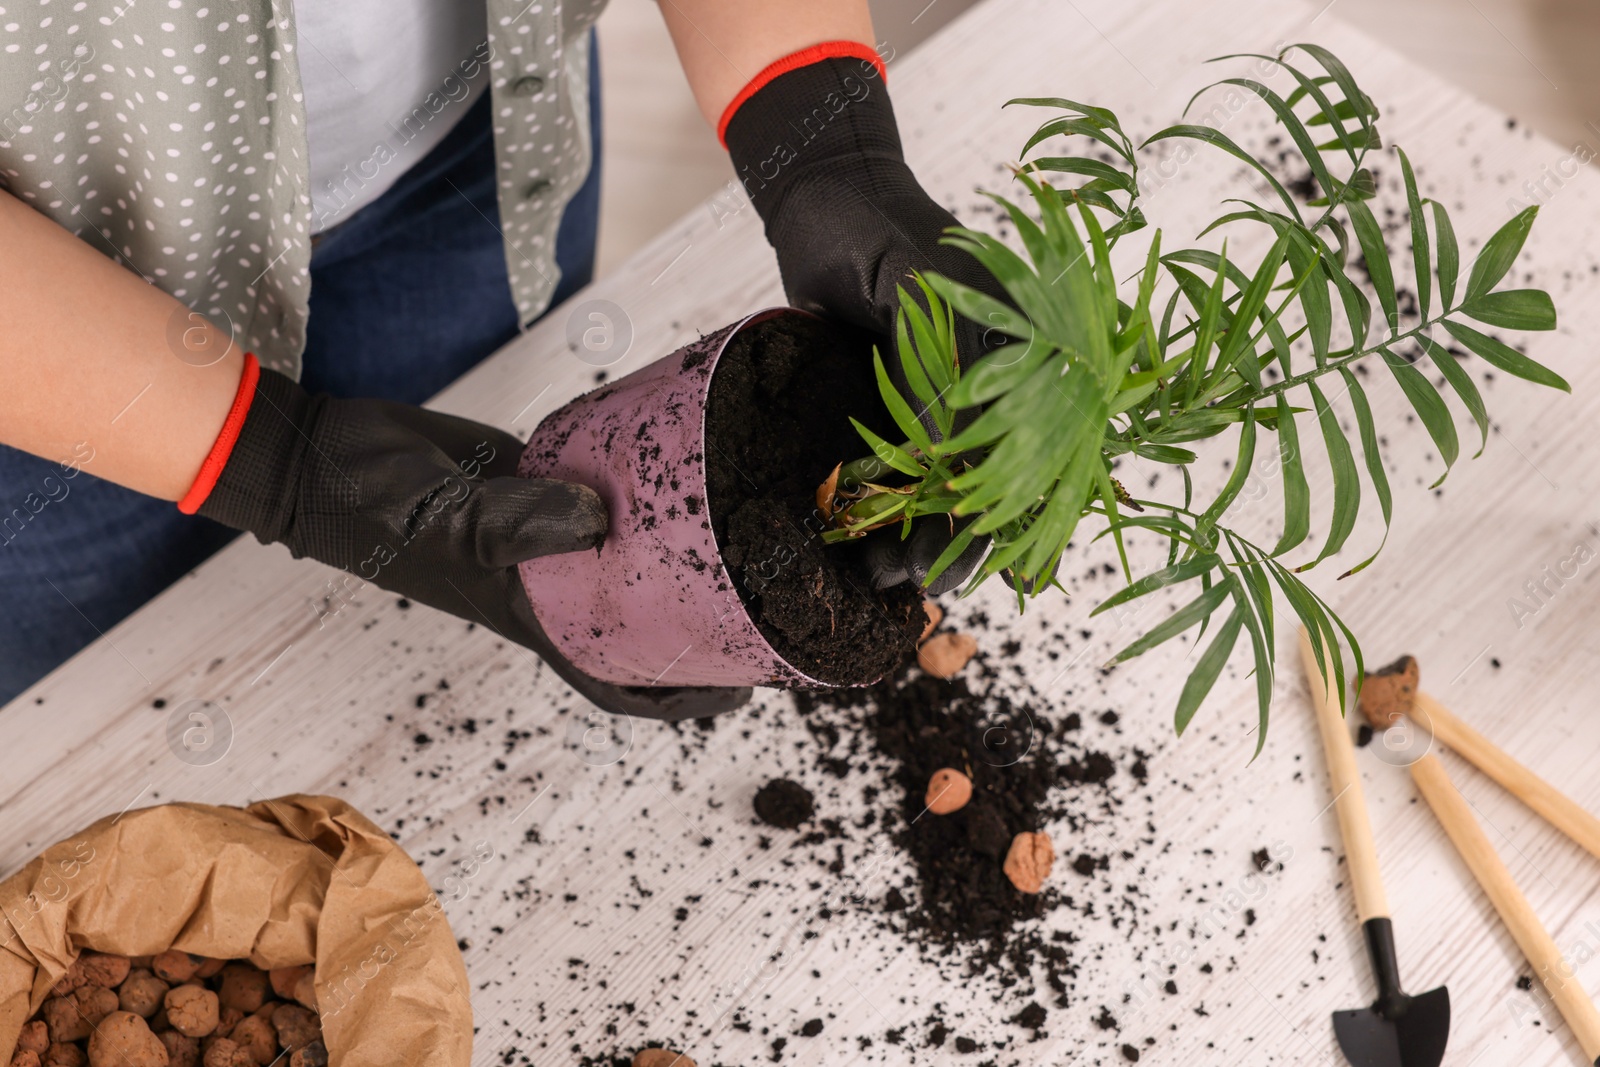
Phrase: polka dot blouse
(171, 136)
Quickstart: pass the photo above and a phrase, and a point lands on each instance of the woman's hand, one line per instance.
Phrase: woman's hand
(416, 502)
(818, 149)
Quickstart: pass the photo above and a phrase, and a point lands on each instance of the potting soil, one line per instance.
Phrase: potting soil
(777, 422)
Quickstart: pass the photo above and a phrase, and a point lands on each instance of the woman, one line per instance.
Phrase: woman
(240, 240)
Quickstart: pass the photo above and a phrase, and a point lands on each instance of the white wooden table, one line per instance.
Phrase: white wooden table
(596, 848)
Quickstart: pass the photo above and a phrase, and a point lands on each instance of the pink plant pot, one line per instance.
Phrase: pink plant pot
(655, 605)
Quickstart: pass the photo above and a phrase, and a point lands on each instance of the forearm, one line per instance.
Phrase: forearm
(95, 361)
(723, 44)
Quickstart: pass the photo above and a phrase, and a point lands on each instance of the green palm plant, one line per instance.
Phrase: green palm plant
(1195, 344)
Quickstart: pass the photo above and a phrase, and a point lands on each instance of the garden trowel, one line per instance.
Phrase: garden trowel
(1397, 1030)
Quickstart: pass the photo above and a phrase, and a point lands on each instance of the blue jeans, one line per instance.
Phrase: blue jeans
(407, 295)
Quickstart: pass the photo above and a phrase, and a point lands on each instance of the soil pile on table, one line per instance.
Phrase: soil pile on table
(962, 903)
(777, 421)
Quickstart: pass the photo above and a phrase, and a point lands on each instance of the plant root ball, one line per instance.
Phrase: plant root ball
(173, 966)
(946, 655)
(35, 1038)
(143, 994)
(244, 987)
(256, 1037)
(182, 1050)
(123, 1040)
(192, 1010)
(948, 791)
(297, 1027)
(784, 804)
(64, 1055)
(313, 1055)
(1029, 860)
(661, 1057)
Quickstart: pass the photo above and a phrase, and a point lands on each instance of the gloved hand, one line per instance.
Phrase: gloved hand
(420, 503)
(818, 151)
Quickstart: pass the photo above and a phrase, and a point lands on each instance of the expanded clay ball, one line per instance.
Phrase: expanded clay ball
(256, 1036)
(227, 1019)
(221, 1052)
(104, 970)
(66, 1023)
(95, 1003)
(945, 655)
(209, 968)
(123, 1040)
(174, 966)
(192, 1010)
(661, 1057)
(142, 993)
(313, 1055)
(35, 1038)
(182, 1050)
(24, 1058)
(1029, 860)
(948, 791)
(284, 980)
(297, 1027)
(64, 1055)
(243, 986)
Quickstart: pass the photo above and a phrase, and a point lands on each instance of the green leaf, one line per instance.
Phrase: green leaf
(1421, 254)
(895, 456)
(1449, 254)
(901, 412)
(1296, 493)
(1088, 127)
(1429, 406)
(1291, 122)
(1500, 253)
(1191, 613)
(1464, 386)
(1513, 309)
(1508, 359)
(1236, 479)
(1183, 572)
(1221, 140)
(1346, 482)
(1376, 255)
(1104, 115)
(1206, 669)
(958, 544)
(1261, 645)
(1089, 168)
(982, 308)
(1373, 458)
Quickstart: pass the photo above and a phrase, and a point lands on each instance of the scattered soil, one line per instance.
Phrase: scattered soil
(777, 421)
(784, 804)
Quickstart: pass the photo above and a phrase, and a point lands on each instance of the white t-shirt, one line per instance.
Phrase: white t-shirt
(384, 82)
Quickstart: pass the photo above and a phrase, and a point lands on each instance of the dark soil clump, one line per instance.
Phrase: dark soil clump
(784, 804)
(777, 421)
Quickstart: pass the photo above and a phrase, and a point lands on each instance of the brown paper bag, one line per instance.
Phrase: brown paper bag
(282, 883)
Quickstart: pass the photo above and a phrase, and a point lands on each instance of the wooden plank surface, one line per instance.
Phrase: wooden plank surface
(601, 831)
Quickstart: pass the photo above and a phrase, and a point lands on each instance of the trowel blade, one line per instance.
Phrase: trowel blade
(1414, 1037)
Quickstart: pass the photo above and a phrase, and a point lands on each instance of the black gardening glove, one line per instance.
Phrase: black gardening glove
(422, 504)
(818, 150)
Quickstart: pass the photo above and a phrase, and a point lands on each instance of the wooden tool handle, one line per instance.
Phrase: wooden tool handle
(1486, 866)
(1558, 809)
(1361, 853)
